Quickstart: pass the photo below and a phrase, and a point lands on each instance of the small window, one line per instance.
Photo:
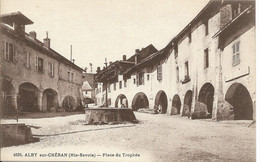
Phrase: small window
(114, 86)
(236, 54)
(120, 84)
(134, 81)
(39, 64)
(70, 76)
(51, 69)
(186, 69)
(108, 87)
(177, 74)
(28, 60)
(206, 58)
(9, 52)
(125, 83)
(206, 27)
(141, 79)
(148, 77)
(189, 36)
(159, 72)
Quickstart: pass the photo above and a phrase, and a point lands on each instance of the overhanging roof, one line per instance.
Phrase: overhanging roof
(15, 17)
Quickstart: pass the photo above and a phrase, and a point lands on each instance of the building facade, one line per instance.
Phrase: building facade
(34, 77)
(206, 71)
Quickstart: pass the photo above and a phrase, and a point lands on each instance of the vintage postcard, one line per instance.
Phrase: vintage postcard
(128, 80)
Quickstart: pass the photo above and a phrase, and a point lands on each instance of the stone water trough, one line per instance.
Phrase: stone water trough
(16, 134)
(109, 115)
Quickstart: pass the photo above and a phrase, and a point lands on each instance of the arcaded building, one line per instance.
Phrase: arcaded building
(206, 71)
(34, 77)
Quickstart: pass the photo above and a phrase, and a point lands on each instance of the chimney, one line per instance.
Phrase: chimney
(98, 69)
(19, 30)
(33, 35)
(124, 57)
(137, 55)
(47, 41)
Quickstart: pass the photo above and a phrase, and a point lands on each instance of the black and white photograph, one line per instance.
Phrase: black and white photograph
(128, 80)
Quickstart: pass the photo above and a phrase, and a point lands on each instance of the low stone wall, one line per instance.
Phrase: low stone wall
(109, 115)
(16, 134)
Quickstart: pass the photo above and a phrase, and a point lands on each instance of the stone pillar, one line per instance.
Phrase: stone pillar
(39, 100)
(15, 101)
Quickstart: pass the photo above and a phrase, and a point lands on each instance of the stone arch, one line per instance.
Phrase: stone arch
(122, 100)
(69, 103)
(28, 97)
(238, 96)
(176, 104)
(206, 96)
(161, 102)
(50, 99)
(8, 97)
(187, 103)
(140, 100)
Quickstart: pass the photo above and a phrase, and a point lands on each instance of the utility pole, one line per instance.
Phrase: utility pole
(106, 105)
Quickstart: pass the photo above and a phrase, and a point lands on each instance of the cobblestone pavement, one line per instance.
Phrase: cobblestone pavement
(156, 138)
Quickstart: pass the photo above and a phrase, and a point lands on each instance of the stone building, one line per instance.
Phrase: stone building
(206, 71)
(34, 77)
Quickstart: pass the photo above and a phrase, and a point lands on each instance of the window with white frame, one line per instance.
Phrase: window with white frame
(9, 52)
(236, 54)
(51, 69)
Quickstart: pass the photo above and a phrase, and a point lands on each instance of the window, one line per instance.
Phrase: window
(148, 77)
(9, 52)
(236, 57)
(206, 58)
(186, 69)
(108, 88)
(120, 84)
(177, 74)
(125, 83)
(114, 86)
(236, 9)
(189, 36)
(39, 64)
(51, 69)
(70, 76)
(134, 81)
(206, 27)
(28, 60)
(159, 72)
(140, 79)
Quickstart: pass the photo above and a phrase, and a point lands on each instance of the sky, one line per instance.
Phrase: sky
(99, 29)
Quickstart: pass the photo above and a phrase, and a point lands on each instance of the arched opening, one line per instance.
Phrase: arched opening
(238, 96)
(176, 104)
(161, 102)
(206, 96)
(140, 100)
(187, 103)
(69, 103)
(8, 92)
(28, 97)
(50, 99)
(122, 101)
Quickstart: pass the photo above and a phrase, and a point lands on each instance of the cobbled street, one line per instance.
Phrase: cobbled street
(154, 138)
